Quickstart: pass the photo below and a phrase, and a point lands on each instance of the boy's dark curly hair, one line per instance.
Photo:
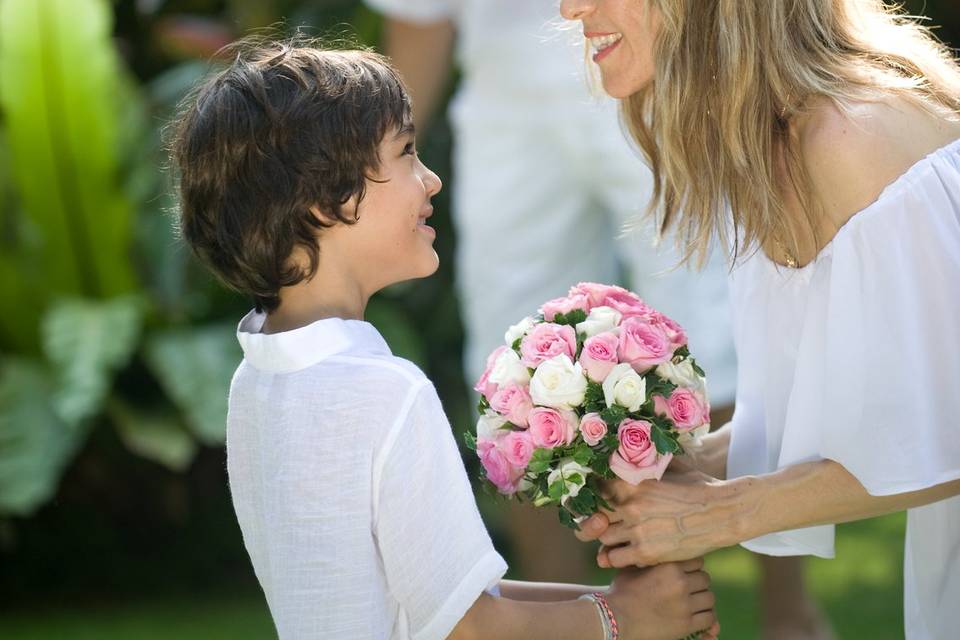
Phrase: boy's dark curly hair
(286, 127)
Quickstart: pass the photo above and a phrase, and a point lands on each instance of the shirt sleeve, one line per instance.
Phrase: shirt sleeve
(418, 11)
(437, 555)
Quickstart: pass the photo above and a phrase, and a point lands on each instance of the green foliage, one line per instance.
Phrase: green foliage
(194, 367)
(613, 416)
(35, 444)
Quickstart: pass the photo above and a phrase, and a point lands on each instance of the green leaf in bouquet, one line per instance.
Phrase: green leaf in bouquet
(613, 416)
(516, 345)
(482, 405)
(88, 341)
(194, 366)
(566, 519)
(470, 440)
(575, 478)
(681, 354)
(572, 318)
(35, 444)
(557, 490)
(664, 440)
(593, 401)
(583, 454)
(540, 461)
(697, 369)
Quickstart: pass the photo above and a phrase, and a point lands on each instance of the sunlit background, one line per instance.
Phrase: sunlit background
(116, 350)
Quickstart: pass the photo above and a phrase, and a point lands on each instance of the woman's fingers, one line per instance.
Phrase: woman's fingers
(705, 620)
(690, 566)
(593, 527)
(615, 535)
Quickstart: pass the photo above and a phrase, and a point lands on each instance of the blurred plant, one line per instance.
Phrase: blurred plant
(107, 319)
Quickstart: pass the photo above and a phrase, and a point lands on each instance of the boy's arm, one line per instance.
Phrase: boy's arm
(545, 591)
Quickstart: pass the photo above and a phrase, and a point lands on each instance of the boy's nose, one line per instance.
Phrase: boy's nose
(577, 9)
(432, 182)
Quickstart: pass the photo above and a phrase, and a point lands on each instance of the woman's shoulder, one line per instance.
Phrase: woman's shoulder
(854, 151)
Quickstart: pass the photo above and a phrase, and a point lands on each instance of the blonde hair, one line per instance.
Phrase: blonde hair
(730, 74)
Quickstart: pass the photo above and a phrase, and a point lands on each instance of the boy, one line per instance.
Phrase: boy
(300, 186)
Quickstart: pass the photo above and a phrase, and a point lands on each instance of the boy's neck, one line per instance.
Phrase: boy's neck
(326, 295)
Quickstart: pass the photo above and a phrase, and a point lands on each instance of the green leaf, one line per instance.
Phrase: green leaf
(194, 367)
(697, 369)
(663, 440)
(593, 400)
(557, 490)
(516, 345)
(59, 75)
(88, 341)
(156, 435)
(482, 405)
(470, 440)
(583, 455)
(566, 519)
(35, 444)
(540, 461)
(575, 478)
(573, 318)
(613, 416)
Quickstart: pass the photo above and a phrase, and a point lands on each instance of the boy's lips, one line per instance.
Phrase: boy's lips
(422, 222)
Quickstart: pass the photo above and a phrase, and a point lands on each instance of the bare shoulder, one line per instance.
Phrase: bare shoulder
(853, 153)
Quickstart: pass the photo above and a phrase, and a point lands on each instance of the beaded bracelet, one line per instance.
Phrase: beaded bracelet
(609, 622)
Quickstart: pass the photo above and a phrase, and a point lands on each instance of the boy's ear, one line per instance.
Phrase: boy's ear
(350, 210)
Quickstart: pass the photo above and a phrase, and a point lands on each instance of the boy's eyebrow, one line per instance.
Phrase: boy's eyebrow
(406, 129)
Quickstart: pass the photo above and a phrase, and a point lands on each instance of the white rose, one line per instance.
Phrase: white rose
(518, 330)
(623, 386)
(681, 374)
(489, 426)
(508, 368)
(600, 319)
(558, 383)
(566, 468)
(692, 441)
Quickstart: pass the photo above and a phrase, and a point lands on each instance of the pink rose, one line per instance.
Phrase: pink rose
(552, 428)
(674, 332)
(643, 345)
(686, 408)
(593, 428)
(548, 340)
(596, 292)
(636, 458)
(518, 447)
(499, 471)
(599, 355)
(551, 308)
(513, 403)
(484, 386)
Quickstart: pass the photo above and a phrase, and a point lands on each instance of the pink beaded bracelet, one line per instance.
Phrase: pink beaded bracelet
(610, 629)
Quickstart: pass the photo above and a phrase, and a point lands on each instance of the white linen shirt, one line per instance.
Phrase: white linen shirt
(349, 489)
(856, 358)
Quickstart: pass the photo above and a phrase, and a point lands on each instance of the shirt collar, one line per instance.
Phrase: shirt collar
(298, 349)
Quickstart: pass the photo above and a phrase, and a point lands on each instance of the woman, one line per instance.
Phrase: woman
(818, 141)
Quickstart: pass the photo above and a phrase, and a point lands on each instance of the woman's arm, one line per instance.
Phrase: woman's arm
(688, 515)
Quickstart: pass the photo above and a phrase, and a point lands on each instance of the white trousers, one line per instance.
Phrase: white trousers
(540, 198)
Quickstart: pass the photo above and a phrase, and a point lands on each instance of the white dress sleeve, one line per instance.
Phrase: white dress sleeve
(876, 382)
(437, 555)
(417, 11)
(879, 391)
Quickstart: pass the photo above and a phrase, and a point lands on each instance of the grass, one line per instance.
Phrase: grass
(861, 592)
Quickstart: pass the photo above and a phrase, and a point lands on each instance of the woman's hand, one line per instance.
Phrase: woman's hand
(683, 516)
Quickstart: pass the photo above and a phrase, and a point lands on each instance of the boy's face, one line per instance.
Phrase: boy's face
(391, 241)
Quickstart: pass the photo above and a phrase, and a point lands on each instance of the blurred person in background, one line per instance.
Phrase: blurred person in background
(544, 183)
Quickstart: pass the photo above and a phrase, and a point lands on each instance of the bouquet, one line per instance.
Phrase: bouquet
(597, 385)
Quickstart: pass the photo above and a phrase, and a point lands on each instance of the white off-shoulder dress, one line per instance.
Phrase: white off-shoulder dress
(856, 358)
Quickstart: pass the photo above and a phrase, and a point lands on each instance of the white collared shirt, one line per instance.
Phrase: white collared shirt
(349, 489)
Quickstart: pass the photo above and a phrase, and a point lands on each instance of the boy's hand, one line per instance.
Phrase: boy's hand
(664, 602)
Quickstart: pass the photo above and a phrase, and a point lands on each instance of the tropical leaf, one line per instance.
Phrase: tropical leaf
(59, 76)
(155, 434)
(88, 341)
(35, 444)
(194, 367)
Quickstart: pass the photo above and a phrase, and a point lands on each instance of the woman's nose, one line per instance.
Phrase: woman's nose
(577, 9)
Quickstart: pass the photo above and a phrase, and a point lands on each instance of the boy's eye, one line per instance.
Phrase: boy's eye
(410, 149)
